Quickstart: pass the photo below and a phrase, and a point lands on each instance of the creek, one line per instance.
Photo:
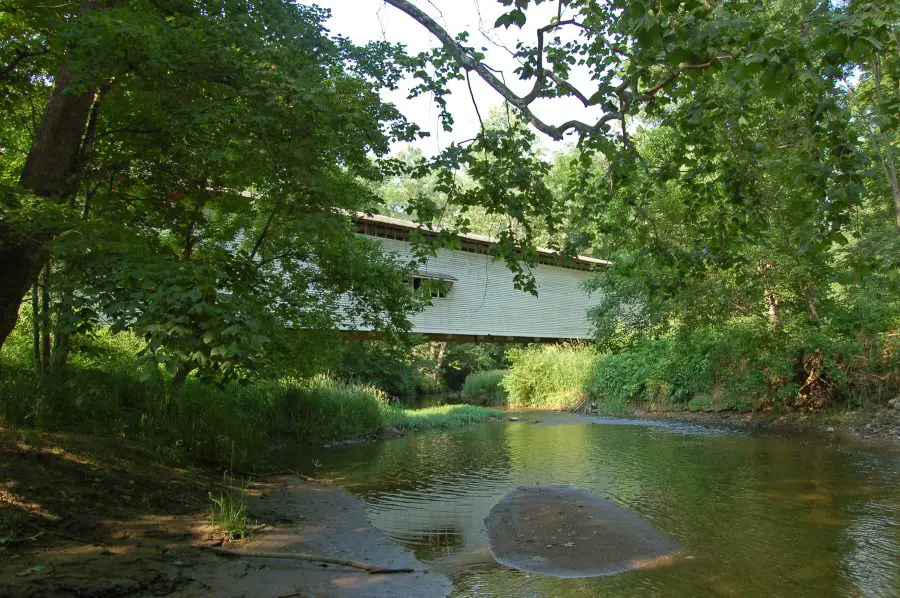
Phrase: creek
(757, 513)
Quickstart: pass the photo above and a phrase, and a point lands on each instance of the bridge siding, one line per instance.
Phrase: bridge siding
(483, 301)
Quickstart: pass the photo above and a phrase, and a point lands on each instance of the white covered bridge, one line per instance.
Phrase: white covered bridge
(477, 300)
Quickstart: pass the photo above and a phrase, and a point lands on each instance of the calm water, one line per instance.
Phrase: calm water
(758, 515)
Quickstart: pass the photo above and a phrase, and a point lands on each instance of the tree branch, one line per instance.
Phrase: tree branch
(523, 103)
(264, 232)
(20, 56)
(470, 63)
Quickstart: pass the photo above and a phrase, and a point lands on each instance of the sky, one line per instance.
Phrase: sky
(366, 20)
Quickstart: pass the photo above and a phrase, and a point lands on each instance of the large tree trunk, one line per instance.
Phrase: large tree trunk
(57, 142)
(20, 263)
(48, 172)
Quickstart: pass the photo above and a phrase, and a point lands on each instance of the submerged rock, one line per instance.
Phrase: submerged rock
(568, 532)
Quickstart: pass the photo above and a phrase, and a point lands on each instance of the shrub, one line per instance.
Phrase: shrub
(483, 388)
(549, 376)
(465, 359)
(744, 364)
(392, 367)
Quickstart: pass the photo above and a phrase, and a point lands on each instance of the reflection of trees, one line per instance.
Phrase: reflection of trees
(417, 461)
(428, 490)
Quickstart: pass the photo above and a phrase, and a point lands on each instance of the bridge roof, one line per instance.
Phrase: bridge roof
(404, 227)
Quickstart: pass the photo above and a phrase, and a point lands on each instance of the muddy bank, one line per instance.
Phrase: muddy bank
(880, 427)
(82, 516)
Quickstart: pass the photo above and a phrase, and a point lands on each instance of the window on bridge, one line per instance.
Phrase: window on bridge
(438, 288)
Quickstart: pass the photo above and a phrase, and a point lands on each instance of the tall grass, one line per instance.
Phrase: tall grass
(435, 418)
(99, 393)
(549, 376)
(483, 388)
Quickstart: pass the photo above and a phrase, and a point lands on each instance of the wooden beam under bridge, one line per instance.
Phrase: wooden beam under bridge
(360, 335)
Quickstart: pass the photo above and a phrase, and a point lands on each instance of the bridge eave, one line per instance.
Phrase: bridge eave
(469, 338)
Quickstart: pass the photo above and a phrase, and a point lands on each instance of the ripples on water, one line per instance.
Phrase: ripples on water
(758, 514)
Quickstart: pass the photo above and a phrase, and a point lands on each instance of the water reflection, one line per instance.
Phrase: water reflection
(757, 514)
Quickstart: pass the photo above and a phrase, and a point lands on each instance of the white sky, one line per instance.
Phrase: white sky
(366, 20)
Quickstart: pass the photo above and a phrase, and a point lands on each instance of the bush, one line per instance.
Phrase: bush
(483, 388)
(389, 366)
(742, 364)
(465, 359)
(549, 376)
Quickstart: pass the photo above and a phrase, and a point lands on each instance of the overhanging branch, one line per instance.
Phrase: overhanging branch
(469, 62)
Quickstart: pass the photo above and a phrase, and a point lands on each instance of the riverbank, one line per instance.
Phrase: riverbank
(877, 426)
(92, 516)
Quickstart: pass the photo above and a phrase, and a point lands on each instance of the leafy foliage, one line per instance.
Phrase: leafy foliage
(549, 376)
(392, 367)
(208, 213)
(483, 388)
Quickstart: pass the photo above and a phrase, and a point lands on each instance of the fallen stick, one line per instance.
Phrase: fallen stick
(371, 569)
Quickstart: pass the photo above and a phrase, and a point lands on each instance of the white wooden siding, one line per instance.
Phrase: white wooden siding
(484, 302)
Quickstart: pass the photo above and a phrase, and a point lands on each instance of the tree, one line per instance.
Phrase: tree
(282, 110)
(207, 203)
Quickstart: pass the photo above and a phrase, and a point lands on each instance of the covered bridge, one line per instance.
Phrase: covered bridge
(475, 299)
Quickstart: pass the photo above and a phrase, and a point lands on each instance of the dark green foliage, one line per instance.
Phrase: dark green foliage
(390, 366)
(226, 144)
(464, 360)
(231, 424)
(483, 388)
(101, 393)
(741, 366)
(405, 367)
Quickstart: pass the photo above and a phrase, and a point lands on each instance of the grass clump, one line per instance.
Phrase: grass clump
(435, 418)
(483, 388)
(322, 408)
(549, 376)
(229, 514)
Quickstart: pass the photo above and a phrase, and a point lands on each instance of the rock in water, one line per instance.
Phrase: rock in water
(568, 532)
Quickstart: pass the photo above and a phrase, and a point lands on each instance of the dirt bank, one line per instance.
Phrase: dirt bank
(82, 516)
(881, 427)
